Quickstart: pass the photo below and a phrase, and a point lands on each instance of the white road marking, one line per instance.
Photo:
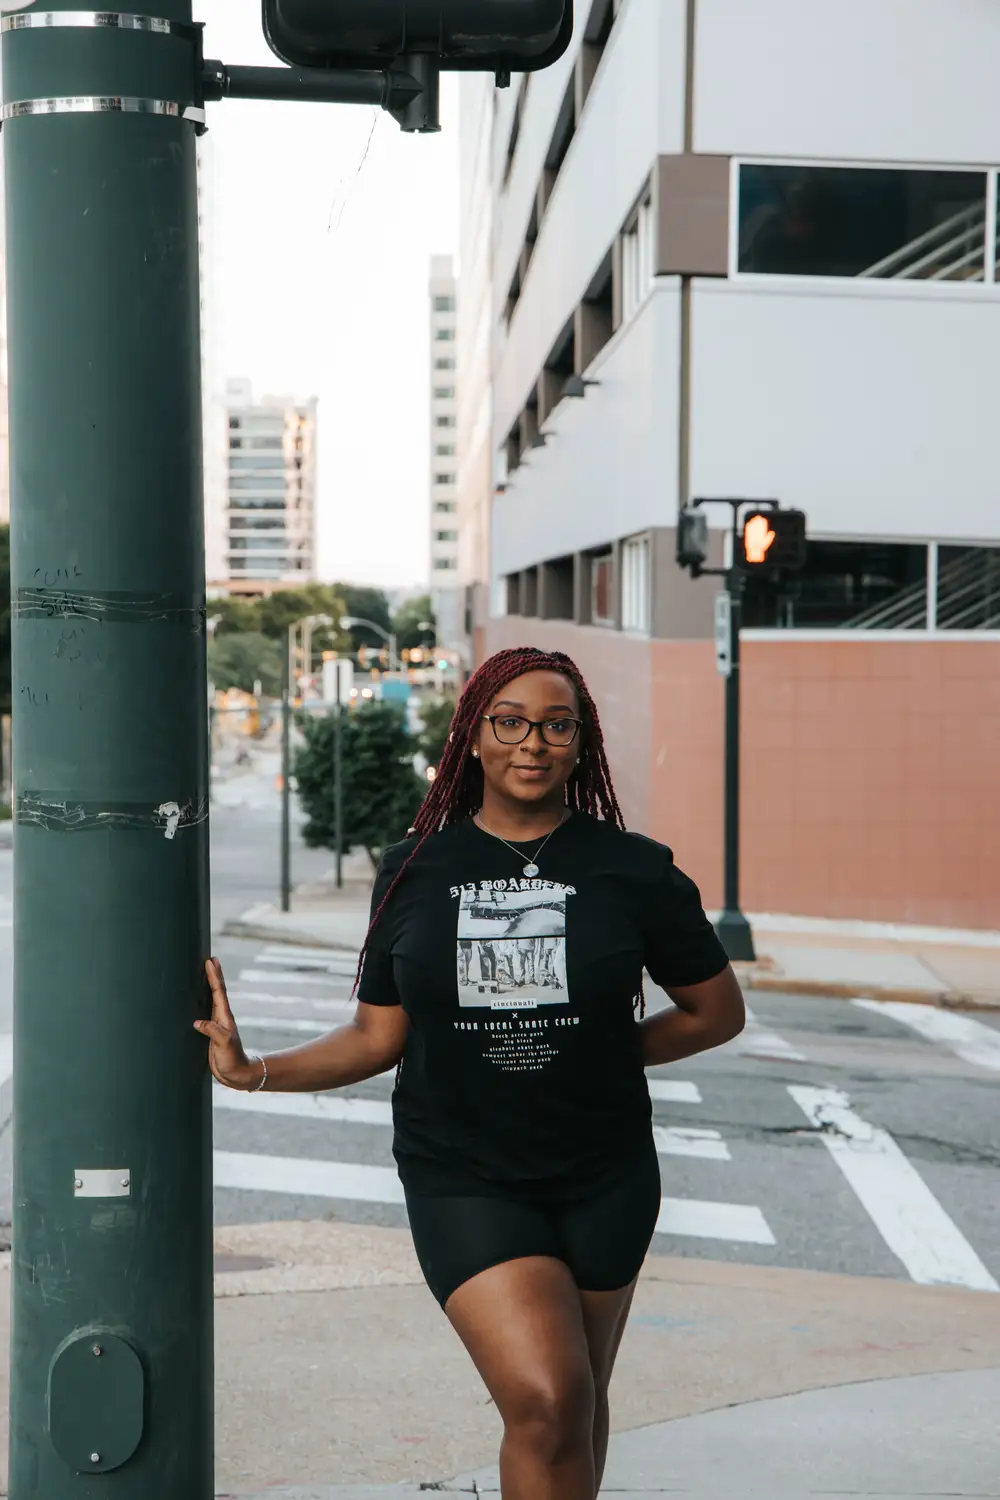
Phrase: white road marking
(757, 1041)
(294, 960)
(327, 955)
(262, 997)
(713, 1221)
(969, 1039)
(674, 1141)
(349, 1111)
(900, 1204)
(277, 1023)
(299, 1175)
(348, 1180)
(278, 976)
(669, 1092)
(6, 1057)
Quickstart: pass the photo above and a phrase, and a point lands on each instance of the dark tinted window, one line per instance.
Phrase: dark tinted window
(841, 582)
(862, 221)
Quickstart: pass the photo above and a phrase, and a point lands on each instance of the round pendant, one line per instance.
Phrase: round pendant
(531, 871)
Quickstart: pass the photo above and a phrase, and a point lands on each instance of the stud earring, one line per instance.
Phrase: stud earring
(476, 754)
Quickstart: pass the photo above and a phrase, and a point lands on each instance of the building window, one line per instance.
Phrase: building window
(602, 588)
(637, 258)
(446, 536)
(444, 304)
(444, 479)
(899, 224)
(444, 364)
(444, 335)
(444, 421)
(444, 392)
(441, 564)
(445, 507)
(862, 585)
(444, 450)
(636, 585)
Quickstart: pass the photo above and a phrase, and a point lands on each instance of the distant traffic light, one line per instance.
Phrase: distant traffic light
(692, 539)
(463, 35)
(771, 541)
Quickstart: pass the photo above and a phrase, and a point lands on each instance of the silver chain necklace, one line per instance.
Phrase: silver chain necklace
(531, 868)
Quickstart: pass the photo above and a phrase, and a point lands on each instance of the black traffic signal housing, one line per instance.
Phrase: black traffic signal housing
(771, 541)
(692, 539)
(492, 36)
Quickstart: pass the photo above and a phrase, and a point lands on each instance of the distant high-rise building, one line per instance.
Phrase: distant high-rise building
(443, 480)
(270, 492)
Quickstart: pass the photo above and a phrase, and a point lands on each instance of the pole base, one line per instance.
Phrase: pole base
(733, 932)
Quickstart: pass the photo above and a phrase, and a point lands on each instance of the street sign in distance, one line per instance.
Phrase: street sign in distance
(723, 635)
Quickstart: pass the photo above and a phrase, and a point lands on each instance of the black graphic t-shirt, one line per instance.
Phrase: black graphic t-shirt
(523, 1066)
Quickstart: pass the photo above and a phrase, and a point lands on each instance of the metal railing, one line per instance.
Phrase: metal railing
(953, 250)
(968, 598)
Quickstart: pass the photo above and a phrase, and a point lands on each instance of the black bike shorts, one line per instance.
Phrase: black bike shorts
(603, 1238)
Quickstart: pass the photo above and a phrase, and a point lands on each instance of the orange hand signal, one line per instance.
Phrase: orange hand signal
(757, 538)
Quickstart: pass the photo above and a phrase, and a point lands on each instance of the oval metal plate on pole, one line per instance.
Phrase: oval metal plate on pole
(112, 1103)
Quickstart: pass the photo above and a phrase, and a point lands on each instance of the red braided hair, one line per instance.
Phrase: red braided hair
(457, 790)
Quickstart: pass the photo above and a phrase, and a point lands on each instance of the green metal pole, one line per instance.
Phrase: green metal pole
(111, 1345)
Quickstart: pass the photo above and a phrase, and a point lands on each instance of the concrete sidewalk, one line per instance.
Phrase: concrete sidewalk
(800, 955)
(734, 1382)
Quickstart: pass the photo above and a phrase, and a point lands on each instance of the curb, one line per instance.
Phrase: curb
(827, 990)
(260, 932)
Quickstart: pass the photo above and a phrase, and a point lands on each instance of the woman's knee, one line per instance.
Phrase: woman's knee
(552, 1414)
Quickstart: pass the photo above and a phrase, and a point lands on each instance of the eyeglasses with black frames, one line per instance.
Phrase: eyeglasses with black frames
(513, 729)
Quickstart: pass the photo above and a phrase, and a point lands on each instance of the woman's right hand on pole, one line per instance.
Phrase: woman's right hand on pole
(226, 1057)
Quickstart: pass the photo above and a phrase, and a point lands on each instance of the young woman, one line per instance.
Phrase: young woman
(502, 972)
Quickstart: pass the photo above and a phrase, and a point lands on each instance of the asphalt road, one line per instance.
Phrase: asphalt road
(831, 1136)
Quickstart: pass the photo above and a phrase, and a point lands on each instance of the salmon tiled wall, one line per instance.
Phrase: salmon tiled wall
(870, 767)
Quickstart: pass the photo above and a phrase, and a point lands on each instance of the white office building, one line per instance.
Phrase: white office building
(751, 250)
(443, 552)
(270, 491)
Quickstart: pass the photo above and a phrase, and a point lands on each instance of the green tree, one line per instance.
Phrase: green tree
(365, 604)
(411, 614)
(382, 790)
(4, 619)
(435, 717)
(238, 661)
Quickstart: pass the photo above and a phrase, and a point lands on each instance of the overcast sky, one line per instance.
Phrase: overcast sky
(321, 269)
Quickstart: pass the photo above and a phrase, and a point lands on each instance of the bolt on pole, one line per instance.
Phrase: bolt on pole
(111, 1344)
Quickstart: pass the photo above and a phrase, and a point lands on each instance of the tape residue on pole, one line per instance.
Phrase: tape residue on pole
(67, 815)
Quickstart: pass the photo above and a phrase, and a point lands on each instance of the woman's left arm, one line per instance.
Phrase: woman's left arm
(705, 1015)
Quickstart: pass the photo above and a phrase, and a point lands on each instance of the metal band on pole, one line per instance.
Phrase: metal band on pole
(108, 19)
(102, 104)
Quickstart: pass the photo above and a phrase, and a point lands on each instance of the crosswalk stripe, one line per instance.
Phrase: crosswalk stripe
(966, 1037)
(328, 955)
(757, 1041)
(282, 1023)
(300, 1175)
(348, 1180)
(898, 1201)
(674, 1141)
(305, 961)
(698, 1219)
(309, 1002)
(707, 1144)
(272, 976)
(669, 1091)
(349, 1110)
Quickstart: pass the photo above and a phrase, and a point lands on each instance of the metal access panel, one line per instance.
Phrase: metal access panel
(493, 36)
(96, 1401)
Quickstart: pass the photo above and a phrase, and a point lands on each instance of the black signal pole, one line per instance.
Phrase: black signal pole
(732, 927)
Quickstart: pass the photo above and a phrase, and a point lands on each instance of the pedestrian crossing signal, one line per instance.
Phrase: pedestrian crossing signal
(772, 540)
